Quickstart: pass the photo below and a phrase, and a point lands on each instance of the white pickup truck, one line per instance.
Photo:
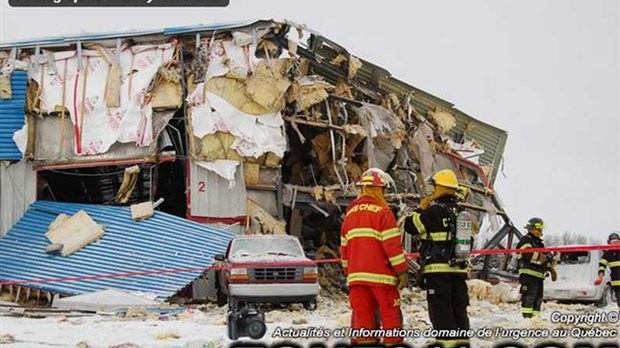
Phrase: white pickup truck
(266, 269)
(576, 274)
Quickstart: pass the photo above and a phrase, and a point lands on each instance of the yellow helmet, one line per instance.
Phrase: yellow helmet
(446, 178)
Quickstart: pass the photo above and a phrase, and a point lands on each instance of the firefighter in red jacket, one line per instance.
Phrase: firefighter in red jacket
(373, 259)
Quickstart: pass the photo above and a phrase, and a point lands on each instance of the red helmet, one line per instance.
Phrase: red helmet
(375, 177)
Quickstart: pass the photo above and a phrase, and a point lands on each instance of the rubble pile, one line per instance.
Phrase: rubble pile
(498, 293)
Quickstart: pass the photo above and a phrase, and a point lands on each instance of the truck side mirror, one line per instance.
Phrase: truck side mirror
(219, 257)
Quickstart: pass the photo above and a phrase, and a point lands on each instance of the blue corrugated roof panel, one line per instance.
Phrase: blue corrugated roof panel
(58, 40)
(12, 116)
(163, 242)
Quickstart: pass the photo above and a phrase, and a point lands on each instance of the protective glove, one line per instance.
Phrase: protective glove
(599, 280)
(403, 280)
(554, 274)
(425, 202)
(542, 258)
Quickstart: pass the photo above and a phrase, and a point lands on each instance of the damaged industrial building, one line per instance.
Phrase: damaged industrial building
(258, 127)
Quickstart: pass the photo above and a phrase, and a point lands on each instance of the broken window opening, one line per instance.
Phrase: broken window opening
(100, 185)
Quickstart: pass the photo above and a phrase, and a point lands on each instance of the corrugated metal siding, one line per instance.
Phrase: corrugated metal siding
(211, 197)
(12, 116)
(18, 189)
(161, 242)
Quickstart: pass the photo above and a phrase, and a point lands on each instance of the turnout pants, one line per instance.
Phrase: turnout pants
(531, 295)
(616, 290)
(366, 302)
(448, 298)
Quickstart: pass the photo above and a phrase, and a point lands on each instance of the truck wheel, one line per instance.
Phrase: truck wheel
(310, 305)
(233, 305)
(222, 299)
(605, 298)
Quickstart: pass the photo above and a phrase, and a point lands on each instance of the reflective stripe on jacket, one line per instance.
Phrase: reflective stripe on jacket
(611, 259)
(529, 263)
(432, 226)
(370, 247)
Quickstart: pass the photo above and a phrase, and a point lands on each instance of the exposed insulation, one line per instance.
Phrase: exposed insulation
(353, 64)
(217, 146)
(74, 232)
(233, 91)
(485, 291)
(130, 178)
(262, 222)
(267, 85)
(444, 120)
(167, 94)
(342, 89)
(5, 87)
(308, 90)
(113, 86)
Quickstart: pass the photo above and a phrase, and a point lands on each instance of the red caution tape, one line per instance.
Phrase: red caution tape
(565, 249)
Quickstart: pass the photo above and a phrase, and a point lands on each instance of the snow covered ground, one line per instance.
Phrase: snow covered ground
(207, 327)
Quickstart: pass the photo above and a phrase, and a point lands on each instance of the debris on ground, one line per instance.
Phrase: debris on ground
(168, 335)
(7, 339)
(105, 300)
(500, 292)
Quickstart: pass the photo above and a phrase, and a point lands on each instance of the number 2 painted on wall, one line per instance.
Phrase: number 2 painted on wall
(201, 186)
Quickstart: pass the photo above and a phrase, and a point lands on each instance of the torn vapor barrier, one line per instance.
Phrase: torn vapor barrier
(254, 136)
(77, 85)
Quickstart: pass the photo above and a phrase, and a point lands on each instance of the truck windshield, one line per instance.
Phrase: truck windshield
(266, 246)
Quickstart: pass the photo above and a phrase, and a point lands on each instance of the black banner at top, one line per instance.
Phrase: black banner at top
(119, 3)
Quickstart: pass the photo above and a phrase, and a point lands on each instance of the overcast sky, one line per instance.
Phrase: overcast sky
(545, 71)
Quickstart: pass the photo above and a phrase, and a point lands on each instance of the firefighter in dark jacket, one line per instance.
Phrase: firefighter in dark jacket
(533, 268)
(447, 293)
(611, 259)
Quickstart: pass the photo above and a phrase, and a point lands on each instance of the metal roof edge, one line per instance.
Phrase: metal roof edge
(67, 39)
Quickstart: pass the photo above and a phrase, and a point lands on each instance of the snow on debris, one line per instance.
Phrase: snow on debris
(206, 326)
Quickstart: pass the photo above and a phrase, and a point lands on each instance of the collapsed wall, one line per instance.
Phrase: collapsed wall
(265, 127)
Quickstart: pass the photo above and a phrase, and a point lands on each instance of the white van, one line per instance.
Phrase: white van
(577, 272)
